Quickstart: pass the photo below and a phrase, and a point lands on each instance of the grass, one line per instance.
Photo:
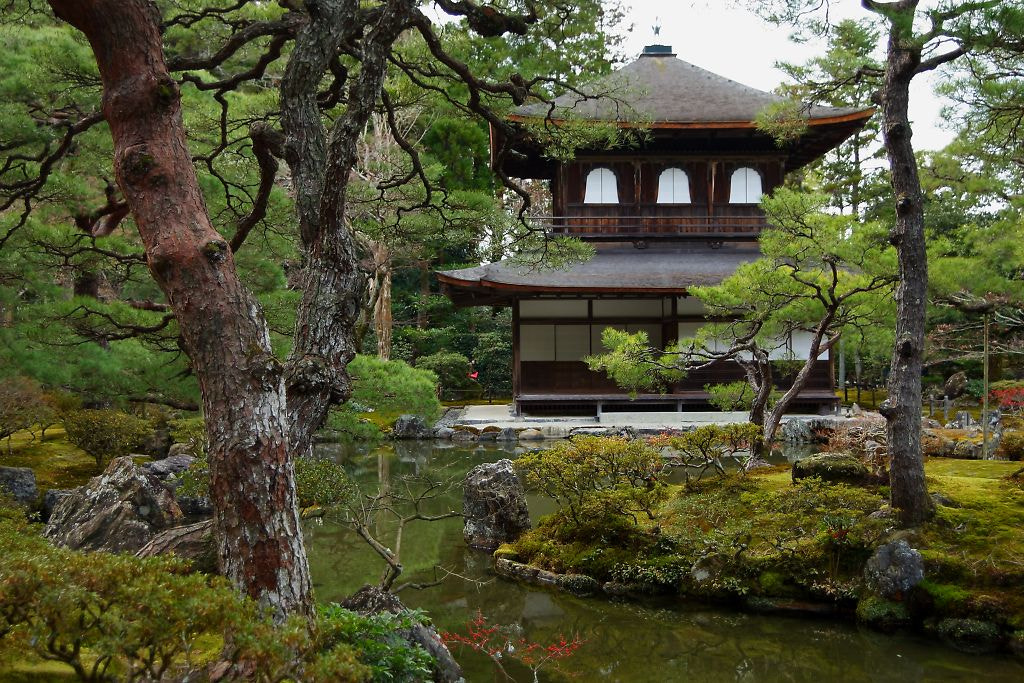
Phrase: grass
(56, 462)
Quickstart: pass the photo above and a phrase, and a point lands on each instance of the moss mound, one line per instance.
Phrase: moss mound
(831, 467)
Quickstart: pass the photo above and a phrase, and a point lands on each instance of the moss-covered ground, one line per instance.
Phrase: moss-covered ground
(57, 463)
(764, 537)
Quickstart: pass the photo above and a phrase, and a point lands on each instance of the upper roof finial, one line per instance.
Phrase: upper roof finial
(657, 26)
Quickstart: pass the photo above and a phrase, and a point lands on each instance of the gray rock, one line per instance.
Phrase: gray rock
(179, 449)
(372, 600)
(463, 435)
(119, 511)
(171, 465)
(19, 483)
(955, 385)
(195, 507)
(578, 584)
(893, 569)
(507, 434)
(410, 427)
(493, 506)
(444, 433)
(593, 431)
(488, 436)
(531, 435)
(756, 463)
(193, 542)
(968, 450)
(815, 429)
(50, 500)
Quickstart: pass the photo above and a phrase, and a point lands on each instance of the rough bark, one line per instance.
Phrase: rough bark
(324, 342)
(902, 409)
(256, 523)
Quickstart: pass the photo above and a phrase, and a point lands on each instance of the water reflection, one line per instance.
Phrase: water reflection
(625, 641)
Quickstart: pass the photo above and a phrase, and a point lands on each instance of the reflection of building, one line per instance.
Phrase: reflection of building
(677, 210)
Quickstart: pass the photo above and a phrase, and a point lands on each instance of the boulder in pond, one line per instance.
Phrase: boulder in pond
(531, 435)
(507, 434)
(119, 511)
(411, 427)
(19, 483)
(893, 569)
(370, 600)
(832, 467)
(493, 506)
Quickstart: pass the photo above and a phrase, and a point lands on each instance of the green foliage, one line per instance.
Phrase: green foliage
(706, 448)
(784, 120)
(1011, 446)
(378, 641)
(22, 403)
(322, 482)
(105, 434)
(393, 387)
(735, 395)
(317, 482)
(116, 617)
(452, 370)
(492, 358)
(192, 432)
(631, 362)
(597, 478)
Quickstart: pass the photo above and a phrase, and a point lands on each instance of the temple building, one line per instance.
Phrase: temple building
(679, 209)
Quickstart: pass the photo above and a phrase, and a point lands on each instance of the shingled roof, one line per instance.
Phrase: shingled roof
(614, 269)
(660, 89)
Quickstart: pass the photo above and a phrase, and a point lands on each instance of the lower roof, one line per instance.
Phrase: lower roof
(614, 269)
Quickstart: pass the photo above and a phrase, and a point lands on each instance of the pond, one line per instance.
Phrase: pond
(664, 640)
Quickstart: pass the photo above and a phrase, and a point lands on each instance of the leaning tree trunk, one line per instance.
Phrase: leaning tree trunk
(902, 409)
(256, 523)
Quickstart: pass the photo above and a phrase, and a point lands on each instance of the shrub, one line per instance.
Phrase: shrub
(493, 359)
(592, 478)
(105, 434)
(192, 432)
(21, 404)
(119, 617)
(393, 387)
(452, 370)
(317, 482)
(322, 482)
(1011, 446)
(706, 448)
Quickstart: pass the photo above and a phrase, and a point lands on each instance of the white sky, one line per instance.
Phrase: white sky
(735, 43)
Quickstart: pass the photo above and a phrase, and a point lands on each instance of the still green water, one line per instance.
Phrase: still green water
(667, 640)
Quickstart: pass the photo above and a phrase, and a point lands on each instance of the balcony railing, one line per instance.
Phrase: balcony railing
(605, 223)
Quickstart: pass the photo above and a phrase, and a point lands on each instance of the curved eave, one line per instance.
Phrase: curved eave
(491, 293)
(864, 115)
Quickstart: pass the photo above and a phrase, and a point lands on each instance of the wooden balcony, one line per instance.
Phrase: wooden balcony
(656, 222)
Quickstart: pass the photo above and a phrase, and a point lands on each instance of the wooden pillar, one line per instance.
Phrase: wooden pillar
(515, 355)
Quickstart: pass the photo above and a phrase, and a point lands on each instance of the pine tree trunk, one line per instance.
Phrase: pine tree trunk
(256, 522)
(382, 320)
(902, 409)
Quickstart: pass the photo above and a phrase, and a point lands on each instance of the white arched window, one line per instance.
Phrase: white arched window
(674, 187)
(746, 187)
(601, 187)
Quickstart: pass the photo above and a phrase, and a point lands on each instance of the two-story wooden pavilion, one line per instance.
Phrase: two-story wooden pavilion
(679, 210)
